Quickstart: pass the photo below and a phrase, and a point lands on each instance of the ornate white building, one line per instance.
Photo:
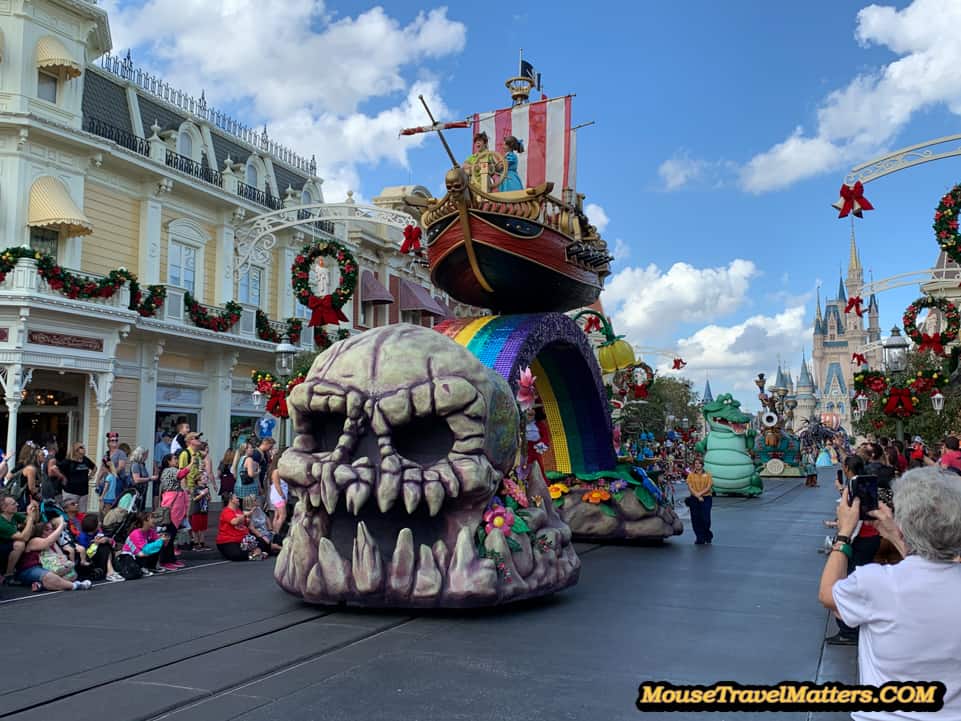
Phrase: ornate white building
(107, 167)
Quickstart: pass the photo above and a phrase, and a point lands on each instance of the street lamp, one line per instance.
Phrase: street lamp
(258, 399)
(896, 361)
(284, 356)
(937, 400)
(685, 423)
(862, 401)
(896, 351)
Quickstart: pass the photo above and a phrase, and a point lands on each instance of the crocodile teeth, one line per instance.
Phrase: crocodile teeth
(357, 495)
(412, 496)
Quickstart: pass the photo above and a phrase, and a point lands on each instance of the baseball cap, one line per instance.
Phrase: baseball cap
(193, 435)
(917, 439)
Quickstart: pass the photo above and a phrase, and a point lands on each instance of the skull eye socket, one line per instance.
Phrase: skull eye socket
(326, 429)
(424, 440)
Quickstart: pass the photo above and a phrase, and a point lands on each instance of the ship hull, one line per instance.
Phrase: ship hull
(524, 263)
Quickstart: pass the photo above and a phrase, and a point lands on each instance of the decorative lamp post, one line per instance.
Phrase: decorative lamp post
(686, 423)
(862, 402)
(258, 399)
(284, 355)
(791, 404)
(937, 400)
(896, 361)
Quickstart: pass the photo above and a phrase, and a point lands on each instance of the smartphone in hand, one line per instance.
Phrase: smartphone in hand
(864, 488)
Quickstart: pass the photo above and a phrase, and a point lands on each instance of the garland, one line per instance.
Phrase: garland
(934, 342)
(926, 381)
(264, 329)
(265, 383)
(946, 224)
(220, 323)
(82, 288)
(326, 309)
(294, 328)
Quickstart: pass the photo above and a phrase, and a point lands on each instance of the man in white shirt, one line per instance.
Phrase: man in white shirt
(907, 613)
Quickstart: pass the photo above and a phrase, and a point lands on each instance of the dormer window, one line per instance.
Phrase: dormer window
(305, 198)
(252, 177)
(185, 145)
(47, 85)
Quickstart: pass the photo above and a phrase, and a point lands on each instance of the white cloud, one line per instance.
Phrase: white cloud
(857, 121)
(622, 251)
(597, 216)
(642, 301)
(680, 170)
(302, 72)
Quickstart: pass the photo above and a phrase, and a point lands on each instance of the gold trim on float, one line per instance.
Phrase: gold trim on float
(469, 246)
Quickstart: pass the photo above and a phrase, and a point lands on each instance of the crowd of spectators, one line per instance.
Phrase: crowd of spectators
(893, 577)
(147, 516)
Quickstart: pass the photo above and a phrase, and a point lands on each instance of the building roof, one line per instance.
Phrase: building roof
(708, 397)
(842, 296)
(805, 380)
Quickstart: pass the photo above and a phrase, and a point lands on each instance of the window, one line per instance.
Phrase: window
(248, 286)
(300, 310)
(182, 266)
(47, 86)
(45, 240)
(185, 144)
(251, 177)
(305, 198)
(410, 316)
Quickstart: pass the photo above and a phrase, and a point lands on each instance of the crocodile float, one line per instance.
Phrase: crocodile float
(725, 449)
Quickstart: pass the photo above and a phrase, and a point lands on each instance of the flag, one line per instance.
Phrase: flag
(527, 70)
(545, 129)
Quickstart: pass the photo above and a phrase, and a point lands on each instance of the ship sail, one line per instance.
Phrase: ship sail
(544, 127)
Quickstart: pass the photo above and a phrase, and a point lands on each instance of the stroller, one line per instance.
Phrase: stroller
(120, 520)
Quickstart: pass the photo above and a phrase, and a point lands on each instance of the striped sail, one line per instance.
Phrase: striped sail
(544, 127)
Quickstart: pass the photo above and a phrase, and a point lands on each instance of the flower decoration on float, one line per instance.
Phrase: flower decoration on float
(219, 322)
(934, 342)
(325, 309)
(946, 223)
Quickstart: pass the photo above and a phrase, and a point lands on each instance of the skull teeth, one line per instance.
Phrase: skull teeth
(434, 493)
(412, 496)
(388, 484)
(357, 495)
(315, 494)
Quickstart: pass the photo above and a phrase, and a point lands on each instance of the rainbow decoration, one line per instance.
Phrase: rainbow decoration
(568, 380)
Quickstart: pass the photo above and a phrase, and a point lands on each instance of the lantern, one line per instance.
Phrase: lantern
(937, 400)
(615, 355)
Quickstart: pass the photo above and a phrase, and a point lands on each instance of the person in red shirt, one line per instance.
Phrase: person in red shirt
(232, 531)
(951, 456)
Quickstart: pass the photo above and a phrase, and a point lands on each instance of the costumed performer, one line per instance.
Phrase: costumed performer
(512, 181)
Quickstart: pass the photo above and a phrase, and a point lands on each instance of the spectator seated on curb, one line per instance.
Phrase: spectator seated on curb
(260, 527)
(907, 613)
(40, 564)
(15, 530)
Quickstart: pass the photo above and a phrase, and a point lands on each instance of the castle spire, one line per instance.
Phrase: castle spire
(708, 397)
(854, 262)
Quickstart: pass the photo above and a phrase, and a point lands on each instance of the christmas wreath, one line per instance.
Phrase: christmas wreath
(926, 381)
(934, 342)
(946, 223)
(325, 309)
(220, 323)
(265, 383)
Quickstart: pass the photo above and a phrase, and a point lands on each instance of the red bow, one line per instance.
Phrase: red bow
(324, 311)
(854, 303)
(411, 240)
(932, 343)
(679, 363)
(859, 359)
(852, 199)
(899, 402)
(640, 392)
(593, 323)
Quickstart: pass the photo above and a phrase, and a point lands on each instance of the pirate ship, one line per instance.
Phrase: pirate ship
(527, 250)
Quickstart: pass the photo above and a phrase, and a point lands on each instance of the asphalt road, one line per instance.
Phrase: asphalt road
(221, 641)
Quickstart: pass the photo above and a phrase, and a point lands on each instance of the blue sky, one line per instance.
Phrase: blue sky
(684, 96)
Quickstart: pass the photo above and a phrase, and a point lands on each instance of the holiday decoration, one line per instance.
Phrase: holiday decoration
(854, 303)
(679, 363)
(264, 330)
(411, 242)
(852, 200)
(859, 359)
(326, 309)
(933, 342)
(593, 324)
(202, 318)
(946, 224)
(873, 381)
(147, 305)
(927, 382)
(900, 402)
(295, 327)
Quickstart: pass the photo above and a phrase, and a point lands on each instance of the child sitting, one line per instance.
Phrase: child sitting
(144, 544)
(99, 547)
(260, 529)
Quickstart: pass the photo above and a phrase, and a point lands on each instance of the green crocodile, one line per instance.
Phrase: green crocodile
(725, 449)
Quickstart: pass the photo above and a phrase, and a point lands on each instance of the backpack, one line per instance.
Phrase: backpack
(18, 487)
(127, 566)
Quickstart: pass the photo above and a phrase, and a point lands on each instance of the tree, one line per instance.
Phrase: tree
(667, 397)
(925, 422)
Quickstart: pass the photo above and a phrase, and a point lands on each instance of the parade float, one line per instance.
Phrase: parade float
(727, 449)
(776, 449)
(448, 467)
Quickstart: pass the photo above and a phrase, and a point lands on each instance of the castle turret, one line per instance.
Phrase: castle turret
(874, 327)
(708, 397)
(805, 396)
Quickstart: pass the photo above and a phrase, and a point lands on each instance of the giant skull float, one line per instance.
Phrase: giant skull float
(402, 438)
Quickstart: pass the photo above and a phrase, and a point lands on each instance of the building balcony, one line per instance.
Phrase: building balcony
(193, 168)
(123, 138)
(261, 197)
(24, 280)
(174, 310)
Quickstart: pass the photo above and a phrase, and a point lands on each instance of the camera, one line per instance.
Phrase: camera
(864, 488)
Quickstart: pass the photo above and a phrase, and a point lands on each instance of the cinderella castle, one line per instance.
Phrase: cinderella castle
(825, 387)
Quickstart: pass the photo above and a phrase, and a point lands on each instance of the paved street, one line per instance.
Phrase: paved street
(221, 641)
